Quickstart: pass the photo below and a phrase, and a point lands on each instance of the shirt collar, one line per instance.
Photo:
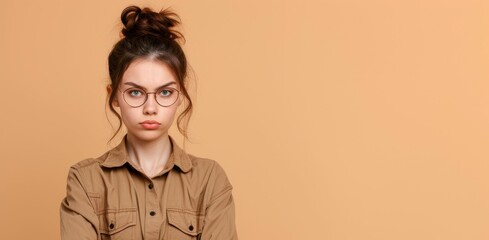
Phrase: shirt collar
(118, 156)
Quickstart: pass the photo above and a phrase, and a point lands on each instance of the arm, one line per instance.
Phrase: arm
(78, 219)
(219, 221)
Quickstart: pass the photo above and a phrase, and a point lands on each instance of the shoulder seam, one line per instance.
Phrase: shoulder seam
(226, 189)
(85, 163)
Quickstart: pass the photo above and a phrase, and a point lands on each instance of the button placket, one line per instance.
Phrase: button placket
(154, 218)
(150, 187)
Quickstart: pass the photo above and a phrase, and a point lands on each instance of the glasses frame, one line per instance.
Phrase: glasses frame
(146, 96)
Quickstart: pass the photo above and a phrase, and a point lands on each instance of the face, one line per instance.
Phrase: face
(149, 121)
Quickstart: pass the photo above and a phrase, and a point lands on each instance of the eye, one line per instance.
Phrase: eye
(165, 92)
(135, 93)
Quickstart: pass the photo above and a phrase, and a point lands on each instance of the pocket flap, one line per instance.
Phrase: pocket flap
(114, 221)
(189, 222)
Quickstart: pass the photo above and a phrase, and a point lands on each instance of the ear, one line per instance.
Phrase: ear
(115, 102)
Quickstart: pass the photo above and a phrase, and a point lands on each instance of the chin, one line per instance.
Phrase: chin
(149, 136)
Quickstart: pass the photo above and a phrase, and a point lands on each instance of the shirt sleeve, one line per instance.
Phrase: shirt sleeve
(78, 219)
(219, 221)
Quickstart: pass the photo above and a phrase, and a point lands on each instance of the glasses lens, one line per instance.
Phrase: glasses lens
(134, 97)
(166, 96)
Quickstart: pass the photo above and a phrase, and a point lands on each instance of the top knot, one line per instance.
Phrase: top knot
(140, 22)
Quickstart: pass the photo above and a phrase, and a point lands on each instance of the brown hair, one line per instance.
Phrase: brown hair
(149, 34)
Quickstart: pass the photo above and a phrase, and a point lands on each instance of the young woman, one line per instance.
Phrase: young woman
(147, 187)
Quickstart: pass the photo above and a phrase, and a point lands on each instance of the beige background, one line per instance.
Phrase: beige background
(333, 119)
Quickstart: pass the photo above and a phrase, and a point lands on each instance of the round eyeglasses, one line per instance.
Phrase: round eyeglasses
(136, 97)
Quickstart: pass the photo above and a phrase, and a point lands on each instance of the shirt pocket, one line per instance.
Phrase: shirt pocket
(184, 224)
(118, 224)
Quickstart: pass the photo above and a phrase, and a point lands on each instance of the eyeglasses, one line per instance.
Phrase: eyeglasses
(136, 97)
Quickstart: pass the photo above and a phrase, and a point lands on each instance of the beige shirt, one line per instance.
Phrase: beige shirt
(110, 198)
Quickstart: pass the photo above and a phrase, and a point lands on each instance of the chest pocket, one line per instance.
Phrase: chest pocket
(118, 224)
(184, 225)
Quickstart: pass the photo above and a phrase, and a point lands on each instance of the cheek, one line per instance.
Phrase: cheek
(169, 115)
(128, 115)
(174, 109)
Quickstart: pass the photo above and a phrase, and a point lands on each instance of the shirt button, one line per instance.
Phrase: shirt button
(191, 228)
(150, 186)
(152, 213)
(111, 226)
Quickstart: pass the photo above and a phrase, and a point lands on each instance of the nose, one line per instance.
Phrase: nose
(150, 107)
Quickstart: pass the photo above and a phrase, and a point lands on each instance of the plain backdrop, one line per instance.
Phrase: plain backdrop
(334, 119)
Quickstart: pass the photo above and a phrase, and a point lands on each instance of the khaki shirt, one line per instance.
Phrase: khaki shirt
(110, 198)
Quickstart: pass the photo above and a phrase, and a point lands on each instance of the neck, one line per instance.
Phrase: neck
(150, 156)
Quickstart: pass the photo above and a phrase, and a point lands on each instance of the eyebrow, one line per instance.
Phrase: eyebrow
(139, 86)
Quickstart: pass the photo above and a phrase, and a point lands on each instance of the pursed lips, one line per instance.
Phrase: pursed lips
(150, 124)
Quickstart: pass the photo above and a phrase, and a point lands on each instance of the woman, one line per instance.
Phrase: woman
(147, 187)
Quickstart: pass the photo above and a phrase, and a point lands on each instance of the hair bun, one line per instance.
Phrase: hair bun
(140, 22)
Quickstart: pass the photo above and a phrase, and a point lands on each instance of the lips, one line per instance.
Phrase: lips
(150, 125)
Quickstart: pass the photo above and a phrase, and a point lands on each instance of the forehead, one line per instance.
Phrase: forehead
(148, 73)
